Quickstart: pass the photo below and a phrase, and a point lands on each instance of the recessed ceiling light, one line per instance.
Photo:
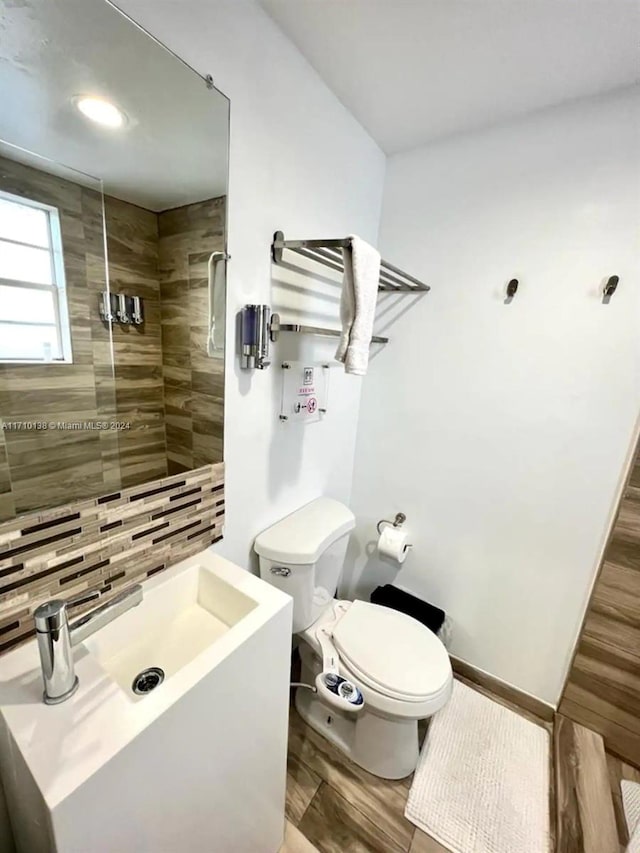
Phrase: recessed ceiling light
(101, 111)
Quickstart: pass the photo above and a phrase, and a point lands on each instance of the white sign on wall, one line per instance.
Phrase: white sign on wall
(305, 388)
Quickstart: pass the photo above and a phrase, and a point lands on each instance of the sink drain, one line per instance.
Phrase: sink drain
(147, 680)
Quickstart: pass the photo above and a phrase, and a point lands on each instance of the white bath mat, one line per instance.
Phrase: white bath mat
(631, 804)
(482, 781)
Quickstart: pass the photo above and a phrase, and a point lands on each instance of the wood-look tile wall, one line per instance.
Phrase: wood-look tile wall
(172, 403)
(7, 506)
(193, 382)
(603, 688)
(105, 543)
(132, 247)
(54, 466)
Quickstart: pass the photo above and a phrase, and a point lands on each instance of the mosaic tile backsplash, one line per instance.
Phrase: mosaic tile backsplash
(105, 543)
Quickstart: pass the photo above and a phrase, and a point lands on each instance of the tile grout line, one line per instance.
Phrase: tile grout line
(351, 805)
(308, 806)
(413, 835)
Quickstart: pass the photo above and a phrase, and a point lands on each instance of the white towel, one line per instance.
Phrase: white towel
(358, 305)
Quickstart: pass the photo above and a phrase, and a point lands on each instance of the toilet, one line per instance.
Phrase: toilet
(372, 672)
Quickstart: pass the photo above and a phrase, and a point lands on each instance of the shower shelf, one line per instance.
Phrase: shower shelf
(329, 254)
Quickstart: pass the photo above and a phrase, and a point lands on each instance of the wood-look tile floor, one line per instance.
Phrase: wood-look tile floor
(339, 807)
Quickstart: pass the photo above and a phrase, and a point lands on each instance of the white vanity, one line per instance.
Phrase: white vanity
(114, 166)
(198, 763)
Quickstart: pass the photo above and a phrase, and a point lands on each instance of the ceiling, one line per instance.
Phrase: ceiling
(173, 148)
(412, 71)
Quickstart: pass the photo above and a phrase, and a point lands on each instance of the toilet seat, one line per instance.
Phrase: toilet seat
(392, 653)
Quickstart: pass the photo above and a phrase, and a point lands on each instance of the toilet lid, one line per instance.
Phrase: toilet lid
(392, 652)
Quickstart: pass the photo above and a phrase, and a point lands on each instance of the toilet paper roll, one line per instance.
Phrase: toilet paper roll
(393, 544)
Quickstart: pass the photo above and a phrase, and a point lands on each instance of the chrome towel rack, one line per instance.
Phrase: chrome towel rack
(275, 327)
(329, 253)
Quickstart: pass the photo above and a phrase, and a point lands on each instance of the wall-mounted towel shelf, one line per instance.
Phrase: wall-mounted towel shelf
(275, 327)
(329, 253)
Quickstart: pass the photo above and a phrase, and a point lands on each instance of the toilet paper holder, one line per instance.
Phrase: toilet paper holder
(398, 521)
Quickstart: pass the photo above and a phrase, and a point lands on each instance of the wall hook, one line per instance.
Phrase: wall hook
(609, 288)
(512, 289)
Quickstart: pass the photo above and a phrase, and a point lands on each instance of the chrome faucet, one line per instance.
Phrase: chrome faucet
(56, 636)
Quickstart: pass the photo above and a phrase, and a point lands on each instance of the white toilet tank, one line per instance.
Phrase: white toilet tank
(303, 555)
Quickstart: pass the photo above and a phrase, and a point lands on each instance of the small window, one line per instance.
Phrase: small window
(34, 319)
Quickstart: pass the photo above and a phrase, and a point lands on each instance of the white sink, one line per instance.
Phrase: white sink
(179, 768)
(186, 617)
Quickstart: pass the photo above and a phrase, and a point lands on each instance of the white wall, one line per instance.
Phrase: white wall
(302, 164)
(501, 430)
